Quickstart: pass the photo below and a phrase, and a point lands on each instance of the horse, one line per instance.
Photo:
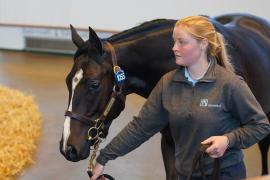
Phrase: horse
(144, 53)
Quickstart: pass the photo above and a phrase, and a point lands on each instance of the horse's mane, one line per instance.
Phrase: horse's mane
(143, 29)
(133, 33)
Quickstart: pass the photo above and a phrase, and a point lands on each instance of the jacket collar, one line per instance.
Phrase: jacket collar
(210, 75)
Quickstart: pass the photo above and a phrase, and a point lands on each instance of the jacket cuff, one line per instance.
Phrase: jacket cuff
(231, 139)
(102, 160)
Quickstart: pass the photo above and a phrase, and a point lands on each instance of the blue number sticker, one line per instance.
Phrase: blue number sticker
(119, 76)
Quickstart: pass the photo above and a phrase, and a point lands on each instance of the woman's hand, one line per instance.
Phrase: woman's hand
(97, 171)
(218, 145)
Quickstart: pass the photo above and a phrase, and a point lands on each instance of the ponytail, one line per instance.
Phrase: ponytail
(221, 54)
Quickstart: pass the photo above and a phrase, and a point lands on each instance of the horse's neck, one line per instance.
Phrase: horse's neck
(143, 68)
(134, 66)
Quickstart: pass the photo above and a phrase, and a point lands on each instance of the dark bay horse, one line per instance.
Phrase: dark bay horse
(144, 53)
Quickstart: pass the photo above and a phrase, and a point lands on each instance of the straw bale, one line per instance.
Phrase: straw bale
(20, 126)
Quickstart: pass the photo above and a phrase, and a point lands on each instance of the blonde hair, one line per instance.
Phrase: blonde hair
(201, 28)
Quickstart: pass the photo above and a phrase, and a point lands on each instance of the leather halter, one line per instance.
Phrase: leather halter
(95, 132)
(99, 122)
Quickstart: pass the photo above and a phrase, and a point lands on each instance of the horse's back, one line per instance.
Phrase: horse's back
(246, 21)
(248, 39)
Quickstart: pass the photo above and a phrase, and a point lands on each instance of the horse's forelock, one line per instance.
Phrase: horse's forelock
(81, 50)
(91, 51)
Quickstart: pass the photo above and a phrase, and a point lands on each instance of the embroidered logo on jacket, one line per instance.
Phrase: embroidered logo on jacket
(204, 103)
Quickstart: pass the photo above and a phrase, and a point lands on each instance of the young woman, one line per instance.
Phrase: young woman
(203, 101)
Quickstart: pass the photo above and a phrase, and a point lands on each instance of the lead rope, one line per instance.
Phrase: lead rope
(96, 129)
(92, 158)
(198, 161)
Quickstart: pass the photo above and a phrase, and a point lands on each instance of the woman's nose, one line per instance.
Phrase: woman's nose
(174, 48)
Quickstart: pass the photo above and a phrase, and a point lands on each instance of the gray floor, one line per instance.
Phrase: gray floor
(42, 76)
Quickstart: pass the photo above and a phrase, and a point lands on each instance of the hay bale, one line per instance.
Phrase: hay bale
(20, 127)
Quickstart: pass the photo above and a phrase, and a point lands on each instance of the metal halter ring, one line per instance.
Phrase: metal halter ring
(98, 124)
(116, 68)
(94, 132)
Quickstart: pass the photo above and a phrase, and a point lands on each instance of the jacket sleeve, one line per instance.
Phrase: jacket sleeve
(254, 124)
(151, 119)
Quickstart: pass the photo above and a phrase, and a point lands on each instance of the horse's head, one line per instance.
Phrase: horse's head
(95, 99)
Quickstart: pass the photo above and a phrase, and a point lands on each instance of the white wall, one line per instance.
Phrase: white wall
(14, 42)
(118, 14)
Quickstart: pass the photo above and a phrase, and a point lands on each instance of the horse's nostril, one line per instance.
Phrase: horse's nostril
(71, 153)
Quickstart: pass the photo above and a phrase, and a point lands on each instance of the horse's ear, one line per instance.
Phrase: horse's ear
(94, 40)
(76, 38)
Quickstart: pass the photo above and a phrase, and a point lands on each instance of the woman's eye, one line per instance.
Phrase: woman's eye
(182, 42)
(93, 84)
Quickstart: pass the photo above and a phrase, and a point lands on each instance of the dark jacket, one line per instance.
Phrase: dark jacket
(219, 104)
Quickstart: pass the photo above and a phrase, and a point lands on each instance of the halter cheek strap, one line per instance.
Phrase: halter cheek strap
(119, 74)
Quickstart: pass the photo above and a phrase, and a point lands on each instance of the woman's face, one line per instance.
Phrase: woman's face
(187, 50)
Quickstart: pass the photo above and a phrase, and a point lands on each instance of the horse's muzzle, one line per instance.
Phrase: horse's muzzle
(71, 154)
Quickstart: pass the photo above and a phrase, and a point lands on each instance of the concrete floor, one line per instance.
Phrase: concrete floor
(43, 76)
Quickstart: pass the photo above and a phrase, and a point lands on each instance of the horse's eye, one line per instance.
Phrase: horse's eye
(93, 85)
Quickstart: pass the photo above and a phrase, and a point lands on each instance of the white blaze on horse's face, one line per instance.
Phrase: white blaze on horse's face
(66, 132)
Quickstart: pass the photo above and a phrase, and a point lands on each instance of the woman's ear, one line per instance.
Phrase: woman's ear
(204, 44)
